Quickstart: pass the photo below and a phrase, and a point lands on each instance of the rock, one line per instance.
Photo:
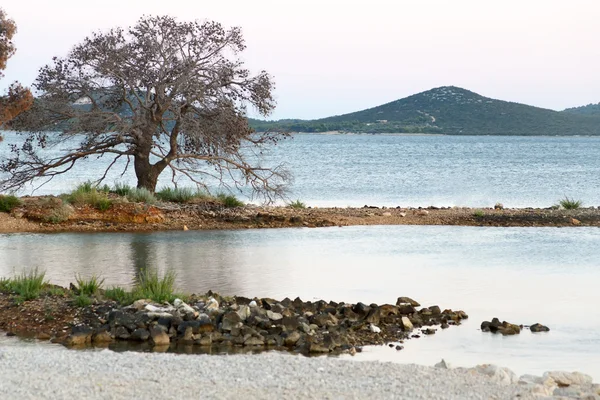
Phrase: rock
(435, 310)
(212, 305)
(575, 221)
(402, 214)
(374, 329)
(568, 378)
(185, 228)
(182, 307)
(141, 304)
(497, 374)
(140, 335)
(422, 213)
(538, 328)
(244, 312)
(429, 331)
(398, 348)
(442, 364)
(102, 337)
(498, 206)
(292, 338)
(361, 309)
(230, 321)
(273, 316)
(406, 309)
(406, 324)
(253, 304)
(324, 320)
(387, 214)
(158, 337)
(121, 333)
(509, 329)
(254, 341)
(79, 339)
(43, 336)
(205, 340)
(407, 300)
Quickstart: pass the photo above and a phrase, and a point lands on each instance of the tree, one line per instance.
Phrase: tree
(164, 94)
(19, 98)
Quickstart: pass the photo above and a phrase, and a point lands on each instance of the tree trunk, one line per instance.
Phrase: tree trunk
(145, 173)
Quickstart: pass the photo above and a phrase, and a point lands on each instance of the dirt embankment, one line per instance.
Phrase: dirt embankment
(42, 215)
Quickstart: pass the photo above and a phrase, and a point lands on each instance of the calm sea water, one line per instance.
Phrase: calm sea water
(391, 170)
(523, 275)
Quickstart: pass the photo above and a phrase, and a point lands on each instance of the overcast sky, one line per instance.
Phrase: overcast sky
(337, 56)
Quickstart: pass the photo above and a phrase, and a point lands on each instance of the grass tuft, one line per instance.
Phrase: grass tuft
(229, 200)
(119, 295)
(297, 204)
(87, 193)
(141, 195)
(122, 189)
(478, 213)
(27, 285)
(89, 287)
(82, 300)
(8, 203)
(570, 204)
(152, 286)
(180, 195)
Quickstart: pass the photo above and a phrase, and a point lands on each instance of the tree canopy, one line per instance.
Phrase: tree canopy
(161, 94)
(18, 98)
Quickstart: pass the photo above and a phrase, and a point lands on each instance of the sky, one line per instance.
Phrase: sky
(331, 57)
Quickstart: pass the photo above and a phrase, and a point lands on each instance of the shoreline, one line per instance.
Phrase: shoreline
(35, 216)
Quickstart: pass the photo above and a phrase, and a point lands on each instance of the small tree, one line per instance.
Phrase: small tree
(19, 98)
(163, 94)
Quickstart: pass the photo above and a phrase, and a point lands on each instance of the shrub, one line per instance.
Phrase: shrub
(229, 200)
(297, 204)
(152, 286)
(59, 212)
(89, 287)
(86, 193)
(8, 203)
(570, 204)
(478, 213)
(119, 295)
(141, 195)
(28, 284)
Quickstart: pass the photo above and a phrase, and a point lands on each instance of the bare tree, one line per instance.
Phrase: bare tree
(18, 98)
(163, 94)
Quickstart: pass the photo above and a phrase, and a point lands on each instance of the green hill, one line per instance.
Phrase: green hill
(590, 109)
(448, 110)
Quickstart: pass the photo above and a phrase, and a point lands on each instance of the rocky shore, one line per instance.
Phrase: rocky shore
(215, 321)
(39, 214)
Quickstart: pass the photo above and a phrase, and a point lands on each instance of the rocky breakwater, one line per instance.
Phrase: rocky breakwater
(506, 328)
(305, 327)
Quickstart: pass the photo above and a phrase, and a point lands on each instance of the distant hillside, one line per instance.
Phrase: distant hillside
(448, 110)
(590, 109)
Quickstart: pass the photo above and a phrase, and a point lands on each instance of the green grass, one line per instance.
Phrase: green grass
(119, 295)
(27, 285)
(570, 204)
(90, 286)
(152, 286)
(122, 189)
(229, 200)
(8, 203)
(478, 213)
(297, 204)
(180, 195)
(56, 291)
(82, 300)
(87, 193)
(141, 195)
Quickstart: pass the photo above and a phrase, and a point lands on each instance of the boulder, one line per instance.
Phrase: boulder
(140, 335)
(159, 337)
(538, 328)
(496, 374)
(274, 316)
(568, 378)
(406, 324)
(230, 321)
(79, 339)
(244, 312)
(102, 337)
(407, 300)
(254, 341)
(406, 309)
(292, 338)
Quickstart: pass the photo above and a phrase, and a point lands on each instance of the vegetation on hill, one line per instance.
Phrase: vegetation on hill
(590, 109)
(447, 110)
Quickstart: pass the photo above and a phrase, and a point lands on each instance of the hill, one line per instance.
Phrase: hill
(448, 110)
(590, 109)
